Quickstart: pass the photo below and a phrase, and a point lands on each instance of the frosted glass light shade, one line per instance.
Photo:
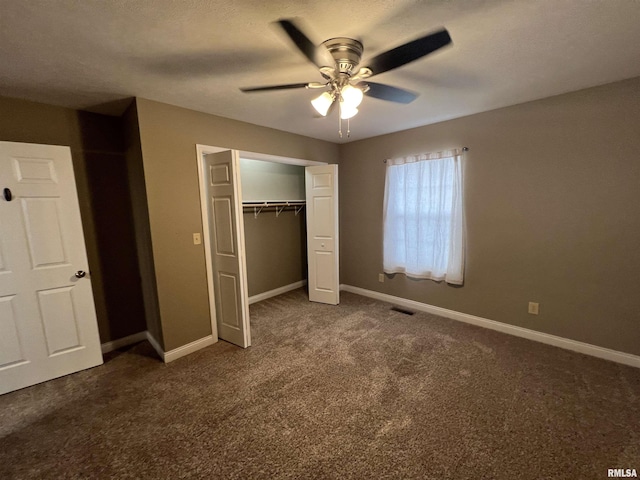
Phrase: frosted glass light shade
(322, 103)
(351, 96)
(347, 111)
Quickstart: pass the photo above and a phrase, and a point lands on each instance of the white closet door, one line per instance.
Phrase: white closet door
(48, 324)
(226, 235)
(321, 184)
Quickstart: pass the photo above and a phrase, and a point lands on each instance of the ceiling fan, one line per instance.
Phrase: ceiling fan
(338, 60)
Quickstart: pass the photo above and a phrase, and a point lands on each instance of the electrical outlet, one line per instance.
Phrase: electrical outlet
(381, 277)
(533, 308)
(197, 239)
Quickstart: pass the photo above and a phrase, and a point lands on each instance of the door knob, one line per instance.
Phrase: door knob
(80, 273)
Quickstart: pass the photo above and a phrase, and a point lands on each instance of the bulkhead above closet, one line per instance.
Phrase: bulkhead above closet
(264, 181)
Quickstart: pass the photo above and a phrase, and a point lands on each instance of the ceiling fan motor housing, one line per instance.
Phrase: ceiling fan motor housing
(346, 52)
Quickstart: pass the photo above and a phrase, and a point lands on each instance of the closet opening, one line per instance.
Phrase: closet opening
(274, 217)
(270, 225)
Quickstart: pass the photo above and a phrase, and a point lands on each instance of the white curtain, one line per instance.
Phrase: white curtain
(424, 232)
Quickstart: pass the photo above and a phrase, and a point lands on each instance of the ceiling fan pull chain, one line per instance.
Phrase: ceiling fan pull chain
(348, 127)
(340, 126)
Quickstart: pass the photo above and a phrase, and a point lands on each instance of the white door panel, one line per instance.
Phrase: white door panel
(48, 324)
(226, 236)
(10, 348)
(42, 225)
(321, 184)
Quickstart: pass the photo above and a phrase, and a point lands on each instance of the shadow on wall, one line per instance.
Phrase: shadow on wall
(97, 150)
(111, 243)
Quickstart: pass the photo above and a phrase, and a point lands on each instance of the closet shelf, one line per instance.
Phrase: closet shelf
(278, 205)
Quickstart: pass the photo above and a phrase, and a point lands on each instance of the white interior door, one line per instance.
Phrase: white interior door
(226, 240)
(48, 324)
(321, 184)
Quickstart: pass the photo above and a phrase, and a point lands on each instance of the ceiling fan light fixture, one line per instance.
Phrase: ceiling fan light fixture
(322, 103)
(351, 96)
(338, 60)
(347, 111)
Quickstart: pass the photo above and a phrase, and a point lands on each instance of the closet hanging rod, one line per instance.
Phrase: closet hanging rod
(279, 206)
(274, 204)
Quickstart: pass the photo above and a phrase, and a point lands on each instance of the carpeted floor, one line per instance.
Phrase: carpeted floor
(354, 391)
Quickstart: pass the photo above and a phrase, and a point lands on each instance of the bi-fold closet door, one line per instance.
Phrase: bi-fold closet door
(221, 198)
(224, 241)
(321, 191)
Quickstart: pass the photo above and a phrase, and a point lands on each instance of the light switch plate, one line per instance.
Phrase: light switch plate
(197, 239)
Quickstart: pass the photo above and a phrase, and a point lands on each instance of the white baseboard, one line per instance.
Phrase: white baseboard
(277, 291)
(123, 342)
(166, 357)
(581, 347)
(176, 353)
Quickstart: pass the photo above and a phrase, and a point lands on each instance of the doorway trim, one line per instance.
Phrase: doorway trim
(201, 151)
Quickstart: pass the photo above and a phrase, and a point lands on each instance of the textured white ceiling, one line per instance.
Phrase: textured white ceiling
(91, 54)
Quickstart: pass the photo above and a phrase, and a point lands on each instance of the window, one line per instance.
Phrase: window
(424, 218)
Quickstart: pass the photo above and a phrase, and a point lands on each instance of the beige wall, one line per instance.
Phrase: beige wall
(105, 206)
(140, 216)
(169, 136)
(276, 249)
(553, 214)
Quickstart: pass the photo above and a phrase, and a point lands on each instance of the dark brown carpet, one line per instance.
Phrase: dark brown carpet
(354, 391)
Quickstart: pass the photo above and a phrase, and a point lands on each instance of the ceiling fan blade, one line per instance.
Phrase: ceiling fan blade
(274, 87)
(408, 52)
(318, 55)
(392, 94)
